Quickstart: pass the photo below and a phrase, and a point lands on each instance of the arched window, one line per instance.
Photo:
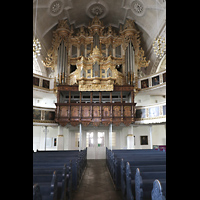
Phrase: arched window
(110, 50)
(82, 75)
(109, 73)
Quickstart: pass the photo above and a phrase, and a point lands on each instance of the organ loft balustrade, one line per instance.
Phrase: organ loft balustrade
(95, 70)
(97, 108)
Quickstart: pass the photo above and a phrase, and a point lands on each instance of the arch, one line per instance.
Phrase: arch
(161, 64)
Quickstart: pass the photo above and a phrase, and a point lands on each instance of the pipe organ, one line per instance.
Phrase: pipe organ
(95, 61)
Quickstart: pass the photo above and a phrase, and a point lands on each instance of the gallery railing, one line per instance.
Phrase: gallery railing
(151, 114)
(152, 81)
(43, 115)
(94, 113)
(97, 113)
(42, 82)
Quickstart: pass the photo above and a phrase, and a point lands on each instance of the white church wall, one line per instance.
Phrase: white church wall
(51, 134)
(44, 102)
(36, 137)
(123, 135)
(158, 137)
(145, 100)
(139, 131)
(39, 138)
(159, 134)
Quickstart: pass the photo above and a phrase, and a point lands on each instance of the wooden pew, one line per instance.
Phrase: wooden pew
(113, 159)
(53, 158)
(156, 193)
(150, 160)
(48, 186)
(64, 178)
(36, 192)
(75, 162)
(144, 182)
(143, 168)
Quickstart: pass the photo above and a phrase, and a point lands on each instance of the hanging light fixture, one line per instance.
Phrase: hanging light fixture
(36, 48)
(36, 42)
(159, 44)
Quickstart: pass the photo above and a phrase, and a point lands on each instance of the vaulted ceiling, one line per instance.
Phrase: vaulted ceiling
(149, 17)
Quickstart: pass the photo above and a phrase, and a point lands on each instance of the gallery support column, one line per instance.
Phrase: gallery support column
(110, 136)
(150, 135)
(45, 139)
(60, 138)
(130, 138)
(80, 137)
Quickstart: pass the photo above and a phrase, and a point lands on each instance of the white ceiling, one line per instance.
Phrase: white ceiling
(149, 16)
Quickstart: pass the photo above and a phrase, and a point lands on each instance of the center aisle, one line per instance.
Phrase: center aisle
(96, 183)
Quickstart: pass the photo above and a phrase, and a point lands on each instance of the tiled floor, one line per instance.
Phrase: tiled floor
(96, 183)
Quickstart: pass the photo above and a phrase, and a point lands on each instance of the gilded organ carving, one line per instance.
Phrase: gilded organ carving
(95, 58)
(95, 51)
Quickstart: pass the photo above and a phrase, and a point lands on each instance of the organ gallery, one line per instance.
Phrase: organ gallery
(96, 72)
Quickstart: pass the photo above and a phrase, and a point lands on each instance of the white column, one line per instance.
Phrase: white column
(150, 135)
(130, 138)
(45, 140)
(110, 136)
(80, 138)
(60, 138)
(66, 138)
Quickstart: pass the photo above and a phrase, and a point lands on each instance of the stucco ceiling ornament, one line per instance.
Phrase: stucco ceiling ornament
(56, 8)
(99, 9)
(138, 8)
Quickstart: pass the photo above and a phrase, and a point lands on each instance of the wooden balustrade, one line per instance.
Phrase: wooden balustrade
(96, 113)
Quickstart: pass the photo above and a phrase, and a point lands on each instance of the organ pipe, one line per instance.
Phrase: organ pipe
(126, 64)
(96, 40)
(130, 63)
(62, 62)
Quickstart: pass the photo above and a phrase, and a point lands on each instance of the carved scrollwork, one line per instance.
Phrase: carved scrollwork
(106, 111)
(85, 123)
(106, 123)
(127, 121)
(85, 111)
(116, 111)
(96, 112)
(63, 123)
(74, 111)
(74, 123)
(63, 111)
(127, 111)
(116, 123)
(96, 124)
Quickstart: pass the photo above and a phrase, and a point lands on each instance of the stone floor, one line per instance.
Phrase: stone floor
(96, 183)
